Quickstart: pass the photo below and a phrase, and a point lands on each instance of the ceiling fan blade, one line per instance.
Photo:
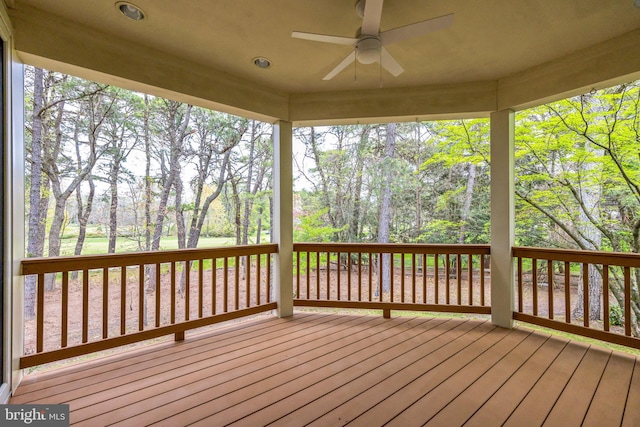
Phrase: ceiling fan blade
(372, 16)
(341, 66)
(417, 29)
(349, 41)
(389, 63)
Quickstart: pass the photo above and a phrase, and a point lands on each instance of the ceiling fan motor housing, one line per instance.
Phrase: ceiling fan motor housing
(368, 50)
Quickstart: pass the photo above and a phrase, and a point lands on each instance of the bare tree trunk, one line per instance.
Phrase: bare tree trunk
(248, 201)
(466, 208)
(259, 226)
(84, 212)
(182, 234)
(235, 199)
(592, 238)
(181, 229)
(147, 176)
(384, 220)
(35, 239)
(354, 226)
(177, 131)
(113, 207)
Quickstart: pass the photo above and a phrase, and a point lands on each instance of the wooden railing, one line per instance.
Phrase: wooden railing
(557, 288)
(101, 302)
(105, 301)
(421, 277)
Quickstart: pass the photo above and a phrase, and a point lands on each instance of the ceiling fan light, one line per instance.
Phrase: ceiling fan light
(368, 51)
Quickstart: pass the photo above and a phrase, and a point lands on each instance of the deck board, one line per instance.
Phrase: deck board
(573, 404)
(329, 369)
(631, 415)
(502, 403)
(341, 404)
(537, 404)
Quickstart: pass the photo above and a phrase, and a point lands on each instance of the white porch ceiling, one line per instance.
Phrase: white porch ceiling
(491, 44)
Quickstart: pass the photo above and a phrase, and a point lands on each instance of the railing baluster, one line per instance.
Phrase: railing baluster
(550, 288)
(140, 297)
(482, 290)
(40, 315)
(65, 311)
(328, 276)
(200, 287)
(297, 275)
(605, 296)
(470, 277)
(448, 278)
(520, 286)
(413, 278)
(158, 292)
(308, 295)
(225, 286)
(567, 292)
(123, 299)
(214, 285)
(173, 292)
(349, 266)
(370, 275)
(424, 278)
(338, 274)
(534, 284)
(436, 279)
(105, 303)
(187, 290)
(380, 276)
(585, 294)
(237, 283)
(258, 273)
(247, 281)
(402, 278)
(85, 306)
(459, 277)
(268, 278)
(627, 301)
(318, 275)
(359, 276)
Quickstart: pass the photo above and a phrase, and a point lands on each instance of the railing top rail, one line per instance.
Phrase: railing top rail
(623, 259)
(417, 248)
(89, 262)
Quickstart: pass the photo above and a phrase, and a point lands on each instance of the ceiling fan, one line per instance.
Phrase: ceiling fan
(370, 42)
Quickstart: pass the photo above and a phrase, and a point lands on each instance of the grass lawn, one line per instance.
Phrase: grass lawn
(98, 245)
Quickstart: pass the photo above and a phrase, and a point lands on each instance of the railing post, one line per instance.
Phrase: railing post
(283, 217)
(502, 217)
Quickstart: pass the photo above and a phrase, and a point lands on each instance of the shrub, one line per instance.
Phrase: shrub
(616, 317)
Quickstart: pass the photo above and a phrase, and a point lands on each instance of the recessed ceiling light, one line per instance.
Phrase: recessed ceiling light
(636, 3)
(261, 62)
(130, 10)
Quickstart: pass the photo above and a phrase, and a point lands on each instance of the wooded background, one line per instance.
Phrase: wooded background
(136, 170)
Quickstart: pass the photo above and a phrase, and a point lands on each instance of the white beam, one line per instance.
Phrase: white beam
(502, 217)
(605, 64)
(282, 226)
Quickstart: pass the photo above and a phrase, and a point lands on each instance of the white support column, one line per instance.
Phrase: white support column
(502, 217)
(282, 226)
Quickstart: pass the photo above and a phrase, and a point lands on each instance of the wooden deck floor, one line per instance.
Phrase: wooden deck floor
(328, 370)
